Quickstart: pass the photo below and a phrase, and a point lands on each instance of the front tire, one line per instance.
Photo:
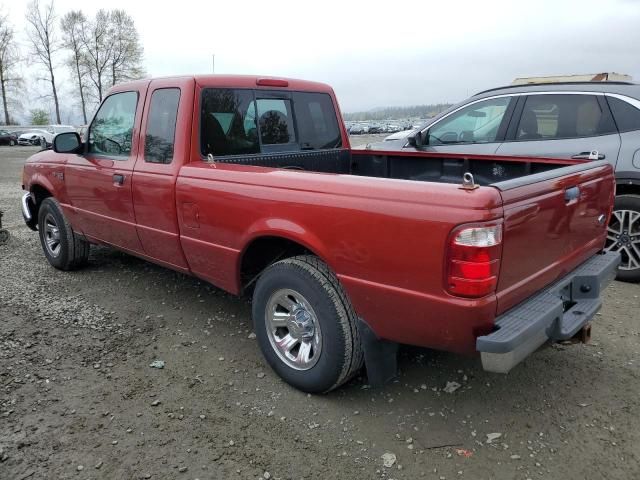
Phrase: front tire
(623, 235)
(63, 248)
(12, 142)
(305, 325)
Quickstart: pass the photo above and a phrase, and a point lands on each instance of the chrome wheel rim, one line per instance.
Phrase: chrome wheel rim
(623, 235)
(293, 329)
(51, 235)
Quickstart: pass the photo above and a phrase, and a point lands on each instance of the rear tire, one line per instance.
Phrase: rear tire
(317, 348)
(623, 236)
(63, 248)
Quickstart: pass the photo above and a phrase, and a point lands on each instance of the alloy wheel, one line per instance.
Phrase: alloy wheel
(623, 235)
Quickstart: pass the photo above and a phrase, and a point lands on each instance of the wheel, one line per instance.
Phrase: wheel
(624, 236)
(305, 325)
(63, 248)
(12, 142)
(4, 236)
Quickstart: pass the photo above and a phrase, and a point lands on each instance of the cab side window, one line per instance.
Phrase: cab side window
(549, 117)
(161, 125)
(111, 131)
(476, 123)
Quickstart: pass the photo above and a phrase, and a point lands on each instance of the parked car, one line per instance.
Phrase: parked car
(8, 138)
(579, 120)
(43, 136)
(34, 137)
(250, 184)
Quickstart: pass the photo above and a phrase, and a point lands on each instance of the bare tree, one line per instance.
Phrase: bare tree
(126, 56)
(9, 58)
(96, 40)
(74, 24)
(41, 30)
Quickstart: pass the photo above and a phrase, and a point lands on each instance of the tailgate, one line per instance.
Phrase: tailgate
(553, 221)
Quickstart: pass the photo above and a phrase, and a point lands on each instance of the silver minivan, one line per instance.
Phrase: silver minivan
(580, 120)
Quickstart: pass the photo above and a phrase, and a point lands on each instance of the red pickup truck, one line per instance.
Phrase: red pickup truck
(250, 183)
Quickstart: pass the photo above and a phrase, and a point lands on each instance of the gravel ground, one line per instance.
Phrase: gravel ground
(78, 398)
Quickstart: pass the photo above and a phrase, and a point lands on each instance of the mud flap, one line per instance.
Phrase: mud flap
(380, 356)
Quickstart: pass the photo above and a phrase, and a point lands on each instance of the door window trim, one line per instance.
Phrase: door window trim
(634, 102)
(86, 151)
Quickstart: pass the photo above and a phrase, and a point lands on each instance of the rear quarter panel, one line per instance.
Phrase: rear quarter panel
(384, 238)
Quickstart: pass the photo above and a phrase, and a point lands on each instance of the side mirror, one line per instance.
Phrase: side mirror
(416, 139)
(67, 142)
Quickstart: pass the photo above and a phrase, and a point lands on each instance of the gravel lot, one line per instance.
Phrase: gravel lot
(78, 398)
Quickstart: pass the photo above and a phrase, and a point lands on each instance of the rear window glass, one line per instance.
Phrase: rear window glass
(547, 117)
(317, 122)
(627, 116)
(161, 126)
(275, 119)
(243, 122)
(228, 122)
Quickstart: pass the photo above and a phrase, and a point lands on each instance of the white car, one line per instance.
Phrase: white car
(36, 135)
(399, 135)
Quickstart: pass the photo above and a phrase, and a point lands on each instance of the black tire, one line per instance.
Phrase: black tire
(341, 355)
(70, 251)
(626, 206)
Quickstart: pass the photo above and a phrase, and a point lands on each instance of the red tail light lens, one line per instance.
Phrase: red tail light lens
(473, 261)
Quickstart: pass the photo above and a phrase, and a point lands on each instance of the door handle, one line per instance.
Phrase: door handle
(592, 155)
(571, 194)
(118, 178)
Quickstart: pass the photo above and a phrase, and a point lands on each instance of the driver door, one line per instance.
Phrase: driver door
(99, 181)
(476, 128)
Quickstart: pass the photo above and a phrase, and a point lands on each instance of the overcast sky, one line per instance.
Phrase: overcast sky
(382, 53)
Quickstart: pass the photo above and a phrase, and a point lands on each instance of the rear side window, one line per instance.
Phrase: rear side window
(627, 116)
(275, 119)
(549, 117)
(161, 125)
(112, 128)
(317, 122)
(228, 122)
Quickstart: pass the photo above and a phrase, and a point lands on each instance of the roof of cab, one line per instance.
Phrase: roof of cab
(237, 81)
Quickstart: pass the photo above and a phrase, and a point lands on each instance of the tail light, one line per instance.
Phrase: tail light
(473, 260)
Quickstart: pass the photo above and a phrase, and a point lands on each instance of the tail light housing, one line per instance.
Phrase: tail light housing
(473, 260)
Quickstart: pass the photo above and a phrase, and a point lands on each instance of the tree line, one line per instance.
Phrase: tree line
(97, 52)
(398, 113)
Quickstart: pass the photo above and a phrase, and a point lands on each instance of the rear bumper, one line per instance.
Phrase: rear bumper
(556, 313)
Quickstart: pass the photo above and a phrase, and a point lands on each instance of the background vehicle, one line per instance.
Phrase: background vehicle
(250, 184)
(36, 136)
(8, 138)
(579, 120)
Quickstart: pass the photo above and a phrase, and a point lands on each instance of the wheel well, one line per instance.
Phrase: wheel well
(40, 193)
(264, 251)
(627, 189)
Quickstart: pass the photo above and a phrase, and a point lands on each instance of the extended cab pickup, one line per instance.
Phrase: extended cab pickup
(250, 184)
